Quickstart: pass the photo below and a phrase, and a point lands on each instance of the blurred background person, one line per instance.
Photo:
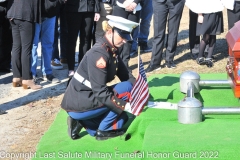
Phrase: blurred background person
(106, 7)
(23, 14)
(80, 16)
(44, 33)
(129, 9)
(165, 12)
(59, 56)
(194, 40)
(210, 24)
(5, 38)
(233, 11)
(141, 33)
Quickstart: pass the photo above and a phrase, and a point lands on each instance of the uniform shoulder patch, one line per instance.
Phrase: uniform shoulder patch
(101, 63)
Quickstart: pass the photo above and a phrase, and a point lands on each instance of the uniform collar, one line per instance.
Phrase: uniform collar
(108, 44)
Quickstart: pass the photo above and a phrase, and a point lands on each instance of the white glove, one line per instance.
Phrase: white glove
(126, 3)
(128, 108)
(200, 18)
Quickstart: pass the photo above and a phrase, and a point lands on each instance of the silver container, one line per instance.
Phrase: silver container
(189, 76)
(190, 111)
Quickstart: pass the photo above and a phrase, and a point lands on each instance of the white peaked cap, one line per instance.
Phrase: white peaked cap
(121, 23)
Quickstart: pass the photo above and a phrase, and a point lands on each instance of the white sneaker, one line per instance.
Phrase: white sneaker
(56, 64)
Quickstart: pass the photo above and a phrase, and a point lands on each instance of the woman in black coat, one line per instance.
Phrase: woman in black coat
(5, 39)
(22, 15)
(80, 16)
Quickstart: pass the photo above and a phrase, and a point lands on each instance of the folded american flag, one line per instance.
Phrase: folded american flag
(140, 91)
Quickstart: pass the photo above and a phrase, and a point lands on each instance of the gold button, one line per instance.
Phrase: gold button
(114, 55)
(122, 106)
(118, 103)
(114, 100)
(116, 69)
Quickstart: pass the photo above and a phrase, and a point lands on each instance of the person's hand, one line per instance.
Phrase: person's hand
(128, 108)
(200, 18)
(96, 17)
(126, 3)
(131, 7)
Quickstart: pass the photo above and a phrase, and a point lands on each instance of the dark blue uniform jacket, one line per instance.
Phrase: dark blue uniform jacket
(100, 65)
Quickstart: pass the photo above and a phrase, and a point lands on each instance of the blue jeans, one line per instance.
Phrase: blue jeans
(142, 31)
(63, 35)
(44, 32)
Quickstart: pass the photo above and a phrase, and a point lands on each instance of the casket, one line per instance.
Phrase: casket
(233, 63)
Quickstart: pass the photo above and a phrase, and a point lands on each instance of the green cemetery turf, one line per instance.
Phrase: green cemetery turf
(156, 133)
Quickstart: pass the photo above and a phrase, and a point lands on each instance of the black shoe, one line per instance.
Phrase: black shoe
(74, 128)
(2, 112)
(50, 78)
(171, 65)
(144, 48)
(151, 68)
(37, 79)
(212, 57)
(201, 61)
(133, 53)
(104, 135)
(209, 62)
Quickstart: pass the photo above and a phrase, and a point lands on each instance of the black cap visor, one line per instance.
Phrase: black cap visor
(124, 34)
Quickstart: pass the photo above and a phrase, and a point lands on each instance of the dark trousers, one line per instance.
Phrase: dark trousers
(63, 35)
(83, 22)
(126, 48)
(22, 33)
(193, 39)
(233, 15)
(5, 40)
(171, 13)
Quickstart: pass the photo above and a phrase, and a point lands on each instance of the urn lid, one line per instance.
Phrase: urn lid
(190, 75)
(190, 102)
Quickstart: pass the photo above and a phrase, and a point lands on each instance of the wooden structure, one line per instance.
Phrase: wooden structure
(233, 64)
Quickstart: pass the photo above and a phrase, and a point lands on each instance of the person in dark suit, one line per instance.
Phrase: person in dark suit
(234, 14)
(194, 40)
(80, 16)
(165, 11)
(5, 39)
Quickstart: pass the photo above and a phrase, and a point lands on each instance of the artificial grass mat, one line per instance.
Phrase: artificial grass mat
(156, 131)
(214, 139)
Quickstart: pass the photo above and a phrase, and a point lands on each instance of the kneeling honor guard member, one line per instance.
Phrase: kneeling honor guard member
(89, 102)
